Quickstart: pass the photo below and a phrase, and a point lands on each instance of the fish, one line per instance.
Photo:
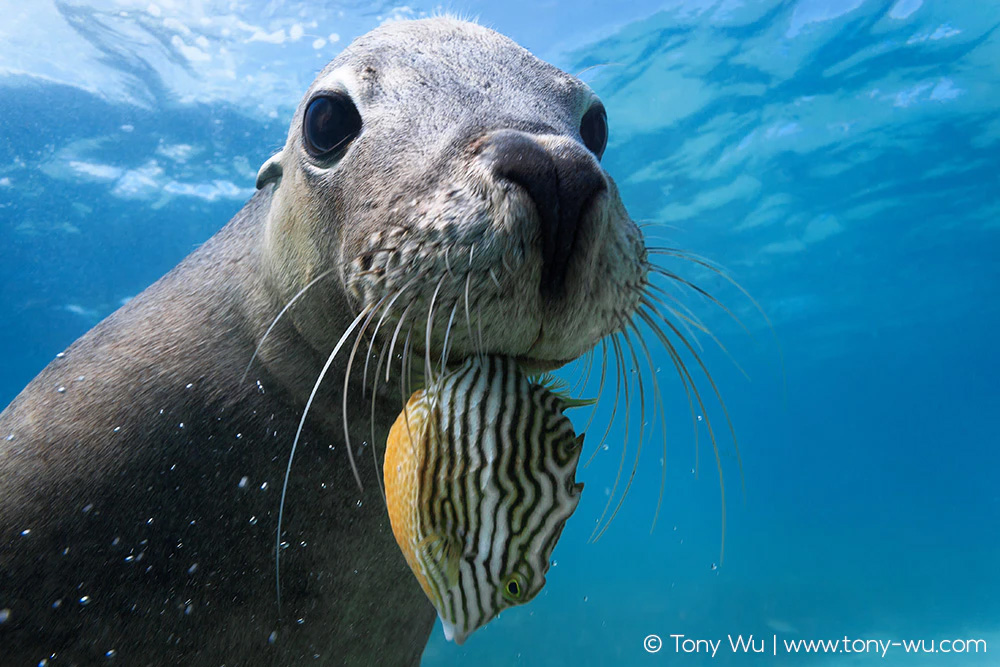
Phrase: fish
(479, 475)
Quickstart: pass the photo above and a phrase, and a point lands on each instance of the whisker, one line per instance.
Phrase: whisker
(468, 317)
(708, 264)
(658, 400)
(685, 319)
(279, 316)
(378, 325)
(404, 381)
(295, 444)
(681, 317)
(371, 422)
(428, 371)
(395, 334)
(687, 283)
(597, 66)
(479, 326)
(623, 373)
(642, 429)
(718, 397)
(708, 423)
(694, 319)
(581, 381)
(347, 381)
(447, 340)
(678, 363)
(600, 386)
(614, 411)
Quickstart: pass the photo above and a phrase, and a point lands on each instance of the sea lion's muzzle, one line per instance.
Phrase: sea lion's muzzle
(562, 185)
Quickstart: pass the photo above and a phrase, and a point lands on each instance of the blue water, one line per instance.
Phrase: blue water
(840, 158)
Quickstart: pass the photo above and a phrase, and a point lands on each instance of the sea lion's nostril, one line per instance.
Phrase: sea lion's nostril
(560, 184)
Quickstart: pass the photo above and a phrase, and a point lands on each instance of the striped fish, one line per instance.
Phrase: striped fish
(479, 482)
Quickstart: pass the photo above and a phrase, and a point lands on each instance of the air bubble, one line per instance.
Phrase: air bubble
(359, 502)
(243, 482)
(189, 386)
(61, 389)
(60, 355)
(110, 653)
(253, 521)
(273, 637)
(263, 487)
(25, 532)
(85, 600)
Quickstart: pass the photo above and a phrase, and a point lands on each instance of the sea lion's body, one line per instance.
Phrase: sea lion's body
(152, 524)
(140, 473)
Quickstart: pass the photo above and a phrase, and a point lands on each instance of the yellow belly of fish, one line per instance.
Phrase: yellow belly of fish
(405, 449)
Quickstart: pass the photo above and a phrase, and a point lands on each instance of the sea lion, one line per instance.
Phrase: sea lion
(439, 184)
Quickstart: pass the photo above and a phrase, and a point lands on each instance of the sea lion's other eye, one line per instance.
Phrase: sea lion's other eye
(594, 129)
(513, 588)
(330, 123)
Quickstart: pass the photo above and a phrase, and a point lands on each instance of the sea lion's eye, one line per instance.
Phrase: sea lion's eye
(594, 129)
(513, 588)
(330, 123)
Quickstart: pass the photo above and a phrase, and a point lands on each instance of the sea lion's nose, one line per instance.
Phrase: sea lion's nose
(561, 183)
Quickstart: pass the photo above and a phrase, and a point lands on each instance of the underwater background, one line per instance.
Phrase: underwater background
(839, 158)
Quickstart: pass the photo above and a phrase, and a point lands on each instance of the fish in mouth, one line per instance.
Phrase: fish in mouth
(479, 478)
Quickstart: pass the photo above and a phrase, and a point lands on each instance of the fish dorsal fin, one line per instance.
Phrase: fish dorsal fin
(560, 388)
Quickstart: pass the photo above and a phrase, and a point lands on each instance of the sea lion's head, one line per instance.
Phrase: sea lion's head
(443, 173)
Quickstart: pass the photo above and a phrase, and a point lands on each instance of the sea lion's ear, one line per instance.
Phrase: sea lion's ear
(269, 171)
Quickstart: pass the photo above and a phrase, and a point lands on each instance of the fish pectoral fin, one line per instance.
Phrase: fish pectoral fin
(569, 402)
(454, 555)
(445, 553)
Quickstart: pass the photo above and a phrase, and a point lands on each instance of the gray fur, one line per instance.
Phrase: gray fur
(105, 497)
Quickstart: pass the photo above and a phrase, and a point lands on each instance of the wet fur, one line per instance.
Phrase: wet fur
(412, 228)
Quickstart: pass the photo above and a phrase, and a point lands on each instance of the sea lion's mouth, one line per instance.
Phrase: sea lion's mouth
(532, 365)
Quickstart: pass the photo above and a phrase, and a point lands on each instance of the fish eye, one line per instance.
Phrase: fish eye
(513, 588)
(594, 129)
(330, 123)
